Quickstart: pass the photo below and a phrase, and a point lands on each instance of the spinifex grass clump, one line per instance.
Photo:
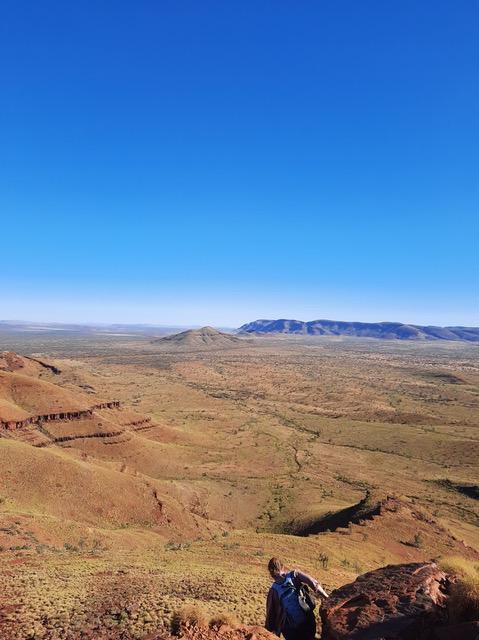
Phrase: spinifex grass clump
(463, 603)
(223, 619)
(188, 616)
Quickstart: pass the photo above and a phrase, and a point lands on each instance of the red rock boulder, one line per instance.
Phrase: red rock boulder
(397, 602)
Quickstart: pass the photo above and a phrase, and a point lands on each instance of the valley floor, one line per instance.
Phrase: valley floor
(247, 446)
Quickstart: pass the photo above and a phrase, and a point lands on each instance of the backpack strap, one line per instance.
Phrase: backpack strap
(287, 582)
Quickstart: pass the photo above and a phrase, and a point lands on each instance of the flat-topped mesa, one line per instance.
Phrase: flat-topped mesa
(378, 330)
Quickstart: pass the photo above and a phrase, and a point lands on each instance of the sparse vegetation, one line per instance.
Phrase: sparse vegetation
(246, 444)
(463, 603)
(418, 540)
(223, 619)
(191, 616)
(324, 560)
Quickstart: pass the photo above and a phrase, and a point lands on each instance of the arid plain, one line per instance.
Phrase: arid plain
(340, 455)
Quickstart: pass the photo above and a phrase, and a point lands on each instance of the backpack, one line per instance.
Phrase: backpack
(296, 602)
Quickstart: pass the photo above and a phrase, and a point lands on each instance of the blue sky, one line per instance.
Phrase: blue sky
(185, 162)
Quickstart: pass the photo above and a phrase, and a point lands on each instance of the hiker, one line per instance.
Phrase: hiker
(290, 608)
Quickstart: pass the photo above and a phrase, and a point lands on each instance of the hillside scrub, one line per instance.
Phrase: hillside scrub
(463, 603)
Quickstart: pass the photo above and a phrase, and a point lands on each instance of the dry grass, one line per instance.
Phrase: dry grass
(190, 616)
(249, 442)
(28, 396)
(463, 603)
(221, 619)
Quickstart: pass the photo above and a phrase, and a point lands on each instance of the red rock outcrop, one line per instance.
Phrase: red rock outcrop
(397, 602)
(61, 415)
(11, 361)
(112, 404)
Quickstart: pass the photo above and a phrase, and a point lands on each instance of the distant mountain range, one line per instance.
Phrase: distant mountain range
(381, 330)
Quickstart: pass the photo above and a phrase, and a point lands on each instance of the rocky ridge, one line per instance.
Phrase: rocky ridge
(381, 330)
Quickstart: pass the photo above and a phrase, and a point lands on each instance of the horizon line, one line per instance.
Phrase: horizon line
(221, 325)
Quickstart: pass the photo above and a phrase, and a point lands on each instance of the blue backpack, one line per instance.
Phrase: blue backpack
(289, 597)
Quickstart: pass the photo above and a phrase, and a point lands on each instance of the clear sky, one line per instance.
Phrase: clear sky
(191, 162)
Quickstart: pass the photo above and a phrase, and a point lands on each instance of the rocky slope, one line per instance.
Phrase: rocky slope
(53, 442)
(381, 330)
(396, 602)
